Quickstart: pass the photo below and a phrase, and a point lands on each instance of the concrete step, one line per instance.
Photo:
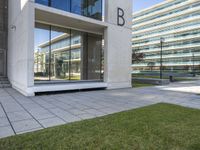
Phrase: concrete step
(5, 86)
(3, 78)
(4, 82)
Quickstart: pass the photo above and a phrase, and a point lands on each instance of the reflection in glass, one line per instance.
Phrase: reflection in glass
(77, 7)
(61, 4)
(68, 55)
(89, 8)
(95, 9)
(41, 52)
(60, 47)
(94, 56)
(76, 50)
(43, 2)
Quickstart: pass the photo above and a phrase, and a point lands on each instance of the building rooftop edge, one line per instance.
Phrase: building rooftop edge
(151, 7)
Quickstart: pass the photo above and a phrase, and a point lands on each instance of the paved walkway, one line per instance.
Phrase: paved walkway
(20, 114)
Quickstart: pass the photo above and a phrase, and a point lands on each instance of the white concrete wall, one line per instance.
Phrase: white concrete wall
(118, 46)
(20, 44)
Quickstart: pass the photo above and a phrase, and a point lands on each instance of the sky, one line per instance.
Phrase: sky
(142, 4)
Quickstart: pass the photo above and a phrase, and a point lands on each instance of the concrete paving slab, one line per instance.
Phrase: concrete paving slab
(2, 114)
(50, 122)
(41, 114)
(32, 130)
(45, 104)
(4, 122)
(6, 131)
(29, 114)
(65, 115)
(95, 112)
(76, 111)
(25, 125)
(18, 116)
(86, 116)
(12, 107)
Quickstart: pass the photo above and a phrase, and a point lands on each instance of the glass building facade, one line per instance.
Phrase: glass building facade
(178, 23)
(88, 8)
(67, 55)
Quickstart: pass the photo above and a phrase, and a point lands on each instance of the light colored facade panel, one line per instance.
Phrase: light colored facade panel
(23, 15)
(20, 43)
(117, 48)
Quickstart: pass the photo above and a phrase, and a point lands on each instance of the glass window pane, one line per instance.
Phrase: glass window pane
(95, 9)
(76, 51)
(79, 7)
(89, 8)
(64, 54)
(61, 4)
(60, 47)
(43, 2)
(41, 52)
(94, 57)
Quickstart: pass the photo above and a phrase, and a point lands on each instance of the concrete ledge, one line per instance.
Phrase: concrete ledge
(67, 86)
(53, 16)
(23, 90)
(152, 81)
(119, 85)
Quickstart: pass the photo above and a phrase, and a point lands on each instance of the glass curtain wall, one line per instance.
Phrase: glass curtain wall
(60, 52)
(76, 53)
(92, 61)
(41, 52)
(88, 8)
(94, 56)
(61, 4)
(79, 7)
(66, 55)
(43, 2)
(95, 9)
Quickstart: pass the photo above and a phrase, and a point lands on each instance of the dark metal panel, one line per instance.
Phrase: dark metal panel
(3, 35)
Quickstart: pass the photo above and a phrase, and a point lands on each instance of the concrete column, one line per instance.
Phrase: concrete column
(21, 45)
(118, 46)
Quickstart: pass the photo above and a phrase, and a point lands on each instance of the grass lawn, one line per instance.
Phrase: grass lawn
(139, 84)
(149, 76)
(156, 127)
(176, 79)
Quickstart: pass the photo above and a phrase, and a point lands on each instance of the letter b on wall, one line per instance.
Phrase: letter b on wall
(120, 17)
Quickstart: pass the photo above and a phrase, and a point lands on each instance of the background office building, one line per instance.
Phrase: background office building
(174, 24)
(56, 45)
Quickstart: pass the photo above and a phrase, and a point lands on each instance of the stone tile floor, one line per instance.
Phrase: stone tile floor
(20, 114)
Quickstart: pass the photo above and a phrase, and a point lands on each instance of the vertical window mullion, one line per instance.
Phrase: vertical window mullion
(70, 53)
(70, 9)
(50, 27)
(87, 9)
(101, 61)
(50, 3)
(87, 56)
(101, 10)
